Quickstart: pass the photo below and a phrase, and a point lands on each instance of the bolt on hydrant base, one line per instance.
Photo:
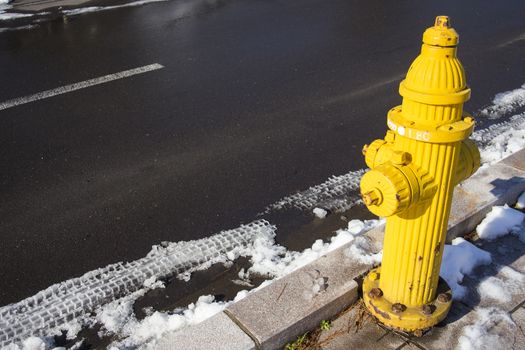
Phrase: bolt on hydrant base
(399, 316)
(413, 172)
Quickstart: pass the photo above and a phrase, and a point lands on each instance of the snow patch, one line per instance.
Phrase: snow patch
(362, 251)
(269, 259)
(153, 327)
(505, 102)
(501, 221)
(115, 315)
(501, 140)
(510, 282)
(182, 9)
(356, 227)
(91, 9)
(459, 259)
(34, 343)
(147, 332)
(489, 331)
(6, 16)
(31, 343)
(494, 288)
(153, 283)
(320, 213)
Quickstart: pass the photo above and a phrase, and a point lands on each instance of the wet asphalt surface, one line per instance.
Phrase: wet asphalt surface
(257, 100)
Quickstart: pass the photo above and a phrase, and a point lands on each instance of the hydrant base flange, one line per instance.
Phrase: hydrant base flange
(401, 317)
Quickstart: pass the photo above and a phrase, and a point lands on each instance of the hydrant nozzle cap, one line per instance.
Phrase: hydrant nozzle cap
(441, 34)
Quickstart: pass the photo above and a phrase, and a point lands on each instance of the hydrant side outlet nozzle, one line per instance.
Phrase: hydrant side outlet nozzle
(412, 175)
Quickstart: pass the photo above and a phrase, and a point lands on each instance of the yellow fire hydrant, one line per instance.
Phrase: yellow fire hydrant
(413, 172)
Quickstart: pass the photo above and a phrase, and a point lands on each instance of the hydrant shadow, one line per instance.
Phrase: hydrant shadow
(504, 188)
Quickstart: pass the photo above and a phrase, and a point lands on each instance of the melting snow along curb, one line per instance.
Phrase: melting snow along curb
(61, 303)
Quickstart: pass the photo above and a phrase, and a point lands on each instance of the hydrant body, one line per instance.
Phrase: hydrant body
(413, 172)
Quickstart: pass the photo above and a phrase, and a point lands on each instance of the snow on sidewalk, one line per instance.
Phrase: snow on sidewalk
(459, 259)
(488, 277)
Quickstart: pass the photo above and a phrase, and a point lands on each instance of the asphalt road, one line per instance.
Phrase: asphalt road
(256, 100)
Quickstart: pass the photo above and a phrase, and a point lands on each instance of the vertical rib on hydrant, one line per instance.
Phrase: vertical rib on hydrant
(413, 172)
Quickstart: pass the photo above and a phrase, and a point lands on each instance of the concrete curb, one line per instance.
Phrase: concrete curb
(276, 314)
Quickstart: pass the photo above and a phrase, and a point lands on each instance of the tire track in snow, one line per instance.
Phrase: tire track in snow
(504, 103)
(484, 137)
(338, 193)
(55, 306)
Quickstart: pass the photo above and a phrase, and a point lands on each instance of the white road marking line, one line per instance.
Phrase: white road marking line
(77, 86)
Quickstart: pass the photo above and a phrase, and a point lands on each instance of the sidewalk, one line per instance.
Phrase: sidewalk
(277, 314)
(507, 251)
